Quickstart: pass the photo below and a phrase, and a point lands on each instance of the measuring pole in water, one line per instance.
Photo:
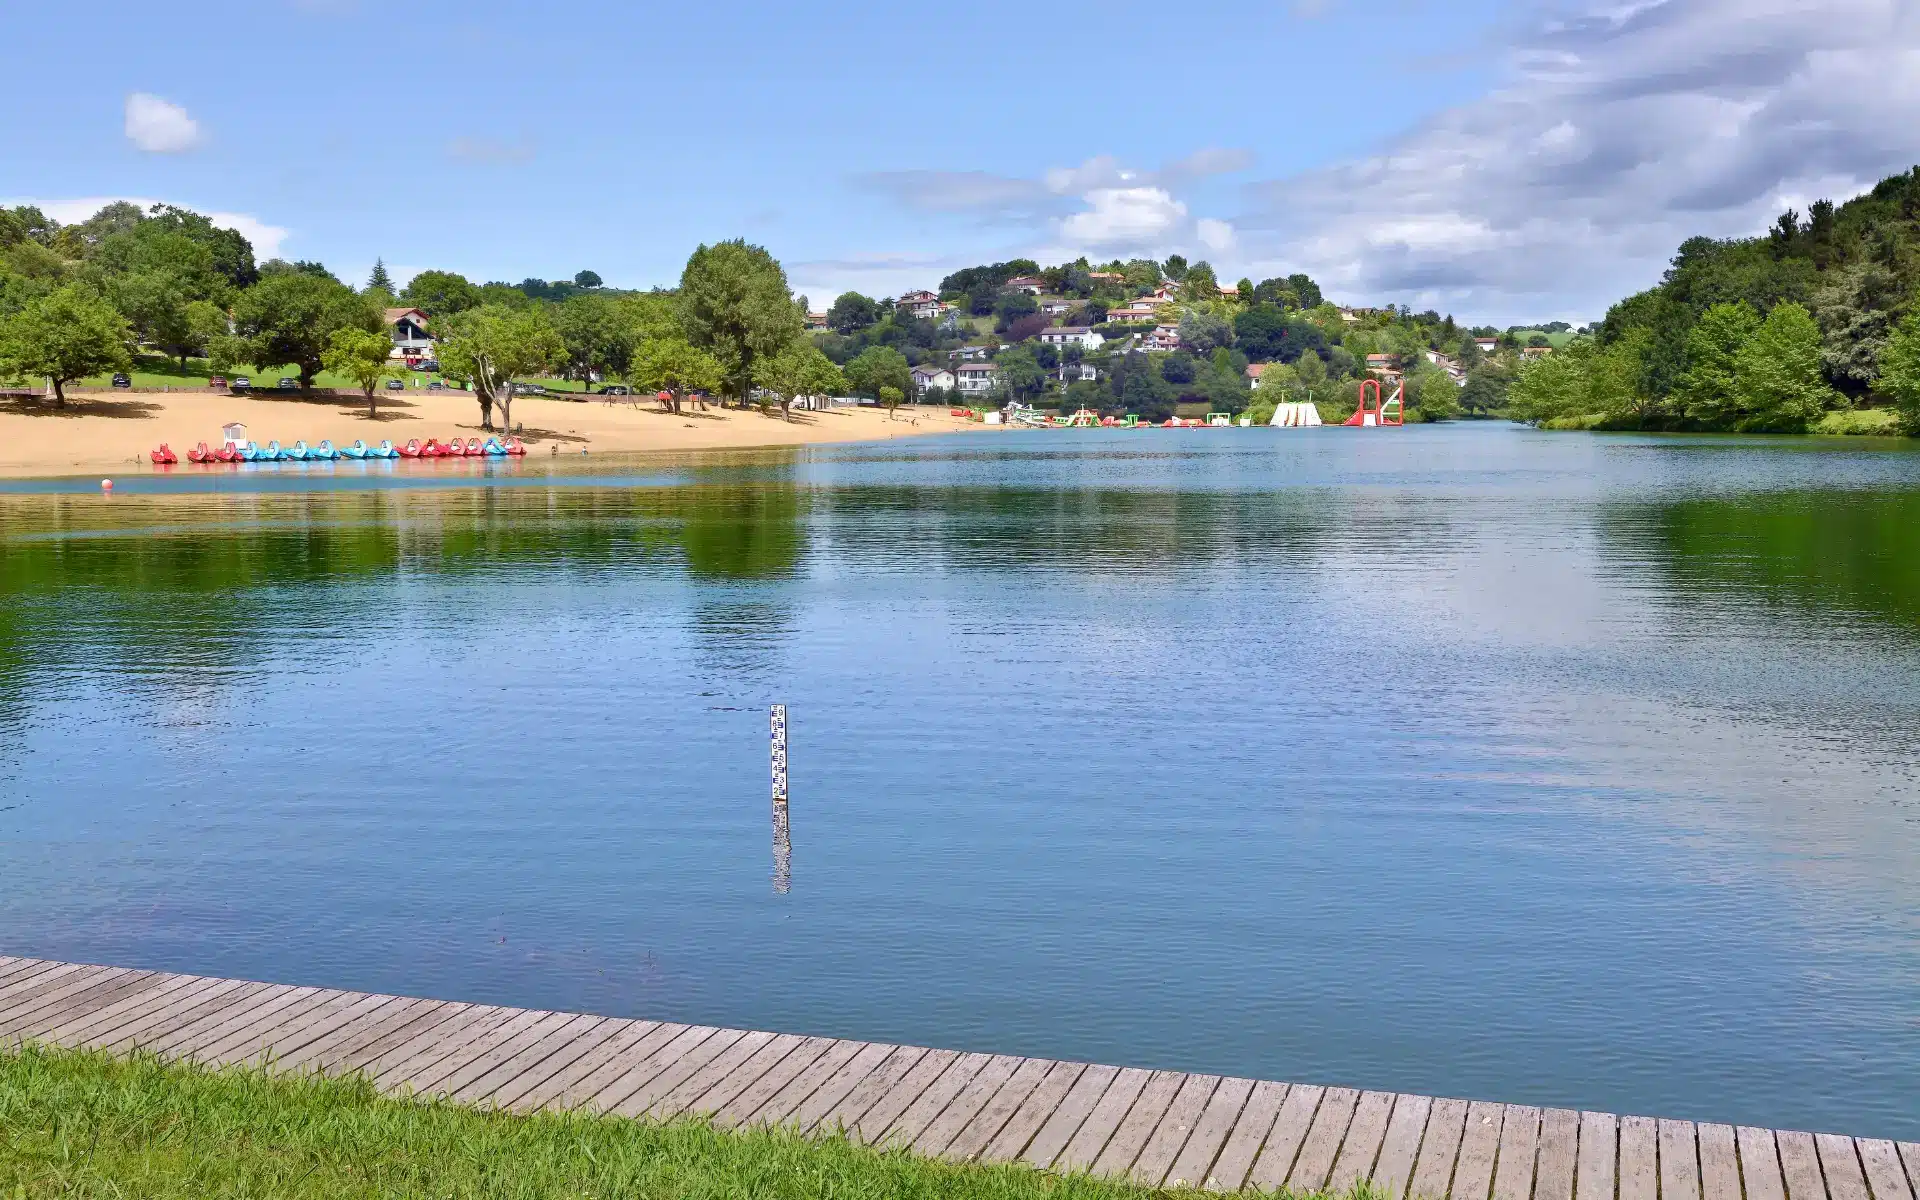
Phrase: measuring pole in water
(782, 844)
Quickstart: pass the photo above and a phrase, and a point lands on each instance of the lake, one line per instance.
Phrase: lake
(1547, 768)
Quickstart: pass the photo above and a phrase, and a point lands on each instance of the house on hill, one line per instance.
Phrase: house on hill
(408, 328)
(1054, 308)
(926, 378)
(977, 378)
(1163, 337)
(1253, 374)
(1068, 335)
(973, 353)
(1487, 344)
(1139, 310)
(924, 305)
(1026, 283)
(1382, 365)
(816, 322)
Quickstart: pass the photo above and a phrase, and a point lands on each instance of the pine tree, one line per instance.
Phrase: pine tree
(380, 281)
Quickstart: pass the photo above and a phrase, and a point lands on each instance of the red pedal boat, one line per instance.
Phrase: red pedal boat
(454, 449)
(163, 456)
(514, 446)
(474, 449)
(227, 453)
(411, 449)
(199, 454)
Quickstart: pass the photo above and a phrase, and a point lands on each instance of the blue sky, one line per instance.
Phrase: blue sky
(1501, 159)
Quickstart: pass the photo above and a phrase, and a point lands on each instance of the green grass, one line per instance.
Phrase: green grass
(84, 1124)
(152, 372)
(1859, 422)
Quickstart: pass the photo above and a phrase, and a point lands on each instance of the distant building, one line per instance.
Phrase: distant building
(817, 322)
(1069, 372)
(1487, 344)
(408, 328)
(968, 353)
(1139, 310)
(924, 305)
(1163, 337)
(1107, 276)
(1383, 366)
(1253, 374)
(927, 379)
(1535, 351)
(1054, 308)
(1068, 335)
(1026, 283)
(977, 378)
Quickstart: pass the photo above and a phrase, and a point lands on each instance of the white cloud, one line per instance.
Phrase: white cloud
(1619, 132)
(266, 238)
(1215, 235)
(1124, 217)
(160, 126)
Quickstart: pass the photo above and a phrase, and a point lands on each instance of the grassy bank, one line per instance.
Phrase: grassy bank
(1847, 422)
(85, 1124)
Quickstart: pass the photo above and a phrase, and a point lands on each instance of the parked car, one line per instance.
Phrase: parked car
(218, 381)
(394, 385)
(287, 383)
(241, 383)
(528, 389)
(428, 364)
(120, 380)
(616, 389)
(436, 386)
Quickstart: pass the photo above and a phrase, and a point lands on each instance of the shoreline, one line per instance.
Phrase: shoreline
(111, 433)
(1159, 1128)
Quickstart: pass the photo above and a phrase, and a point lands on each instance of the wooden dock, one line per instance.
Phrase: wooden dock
(1162, 1128)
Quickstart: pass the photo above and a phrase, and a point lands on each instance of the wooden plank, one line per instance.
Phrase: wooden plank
(887, 1107)
(559, 1058)
(1060, 1125)
(755, 1095)
(640, 1101)
(21, 990)
(1519, 1145)
(953, 1117)
(274, 1010)
(1679, 1161)
(985, 1124)
(329, 1054)
(366, 1053)
(1910, 1155)
(1593, 1177)
(1440, 1151)
(1194, 1166)
(914, 1119)
(1362, 1145)
(535, 1061)
(1479, 1147)
(570, 1086)
(1235, 1161)
(1559, 1153)
(60, 994)
(265, 1041)
(1090, 1139)
(243, 1002)
(156, 1026)
(478, 1077)
(781, 1106)
(1719, 1163)
(481, 1048)
(1311, 1168)
(1800, 1165)
(1275, 1163)
(848, 1110)
(1840, 1163)
(396, 1069)
(1400, 1148)
(1639, 1158)
(1885, 1179)
(828, 1097)
(100, 1027)
(28, 1021)
(1170, 1134)
(762, 1061)
(629, 1081)
(1131, 1137)
(1759, 1164)
(1041, 1103)
(672, 1090)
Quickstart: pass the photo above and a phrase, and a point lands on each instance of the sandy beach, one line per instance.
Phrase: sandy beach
(115, 430)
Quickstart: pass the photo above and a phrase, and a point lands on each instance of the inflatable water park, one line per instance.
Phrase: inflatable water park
(1372, 410)
(237, 447)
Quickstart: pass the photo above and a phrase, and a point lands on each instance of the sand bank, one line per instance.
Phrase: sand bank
(114, 430)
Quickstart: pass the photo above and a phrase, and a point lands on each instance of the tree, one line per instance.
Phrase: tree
(1176, 268)
(1900, 372)
(493, 344)
(597, 333)
(1011, 307)
(587, 279)
(1432, 393)
(670, 364)
(291, 317)
(1311, 372)
(1307, 290)
(440, 294)
(361, 357)
(734, 302)
(798, 370)
(63, 336)
(1485, 392)
(1777, 373)
(1708, 391)
(380, 281)
(891, 397)
(1021, 376)
(852, 312)
(1199, 285)
(1202, 330)
(877, 367)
